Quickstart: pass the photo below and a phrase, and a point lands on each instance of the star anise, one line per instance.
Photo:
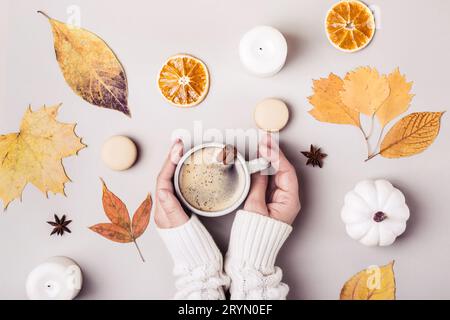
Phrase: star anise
(315, 157)
(60, 225)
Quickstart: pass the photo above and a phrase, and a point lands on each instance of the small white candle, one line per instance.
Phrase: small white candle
(58, 278)
(263, 51)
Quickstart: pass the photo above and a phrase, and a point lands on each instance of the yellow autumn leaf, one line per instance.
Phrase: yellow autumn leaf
(365, 90)
(90, 67)
(34, 155)
(411, 135)
(399, 98)
(328, 106)
(373, 283)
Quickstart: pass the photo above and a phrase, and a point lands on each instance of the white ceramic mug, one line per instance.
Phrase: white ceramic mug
(249, 167)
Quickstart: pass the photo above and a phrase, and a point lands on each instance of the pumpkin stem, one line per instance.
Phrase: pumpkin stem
(379, 216)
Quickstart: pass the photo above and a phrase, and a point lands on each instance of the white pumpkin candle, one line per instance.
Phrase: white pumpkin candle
(58, 278)
(375, 213)
(263, 51)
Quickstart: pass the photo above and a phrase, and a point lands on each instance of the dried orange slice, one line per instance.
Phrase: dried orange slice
(350, 25)
(184, 80)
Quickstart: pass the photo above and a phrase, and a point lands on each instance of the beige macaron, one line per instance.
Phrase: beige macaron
(119, 153)
(271, 115)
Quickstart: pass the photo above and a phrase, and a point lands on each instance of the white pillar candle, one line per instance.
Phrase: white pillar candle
(263, 51)
(58, 278)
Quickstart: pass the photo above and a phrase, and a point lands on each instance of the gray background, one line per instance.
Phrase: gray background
(318, 257)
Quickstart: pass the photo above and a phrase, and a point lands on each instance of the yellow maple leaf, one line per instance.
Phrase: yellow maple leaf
(399, 98)
(328, 106)
(365, 90)
(373, 283)
(34, 155)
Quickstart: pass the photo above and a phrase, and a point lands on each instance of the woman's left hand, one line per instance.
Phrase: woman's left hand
(276, 196)
(168, 211)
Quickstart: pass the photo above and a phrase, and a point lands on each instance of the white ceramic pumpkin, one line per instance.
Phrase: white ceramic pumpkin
(57, 278)
(375, 213)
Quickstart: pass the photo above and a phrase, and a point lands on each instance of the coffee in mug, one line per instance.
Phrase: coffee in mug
(209, 185)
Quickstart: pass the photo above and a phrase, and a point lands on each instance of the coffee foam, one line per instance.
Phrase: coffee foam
(208, 185)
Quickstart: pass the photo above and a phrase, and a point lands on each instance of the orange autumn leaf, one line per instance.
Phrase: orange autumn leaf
(141, 217)
(411, 135)
(373, 283)
(115, 209)
(113, 232)
(327, 102)
(365, 90)
(120, 229)
(399, 98)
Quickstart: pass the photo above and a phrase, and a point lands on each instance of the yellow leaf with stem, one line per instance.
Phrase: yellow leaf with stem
(373, 283)
(328, 106)
(399, 98)
(34, 154)
(365, 90)
(90, 67)
(411, 135)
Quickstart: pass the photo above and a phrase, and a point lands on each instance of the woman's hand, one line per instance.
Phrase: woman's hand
(168, 212)
(277, 196)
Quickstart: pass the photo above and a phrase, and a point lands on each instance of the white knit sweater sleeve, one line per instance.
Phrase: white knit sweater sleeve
(198, 262)
(250, 262)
